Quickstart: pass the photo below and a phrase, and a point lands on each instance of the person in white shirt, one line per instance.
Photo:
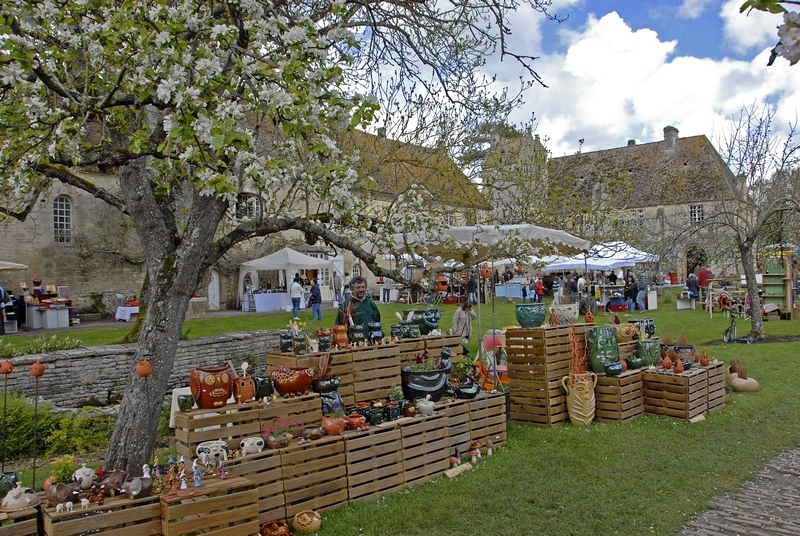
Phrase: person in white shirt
(296, 292)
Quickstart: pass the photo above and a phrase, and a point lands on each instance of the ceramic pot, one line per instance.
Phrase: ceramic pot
(634, 362)
(686, 364)
(375, 332)
(418, 384)
(7, 483)
(613, 369)
(396, 331)
(376, 415)
(704, 359)
(391, 411)
(307, 521)
(285, 338)
(567, 313)
(530, 315)
(356, 421)
(647, 327)
(277, 442)
(324, 344)
(356, 334)
(144, 368)
(329, 395)
(37, 369)
(264, 387)
(323, 332)
(677, 367)
(211, 386)
(293, 381)
(276, 527)
(649, 351)
(6, 366)
(333, 425)
(580, 397)
(19, 498)
(85, 477)
(426, 319)
(312, 433)
(467, 390)
(185, 403)
(486, 272)
(299, 342)
(244, 389)
(339, 336)
(601, 342)
(626, 332)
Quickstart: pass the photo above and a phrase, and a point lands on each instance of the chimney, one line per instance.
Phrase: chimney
(631, 142)
(670, 135)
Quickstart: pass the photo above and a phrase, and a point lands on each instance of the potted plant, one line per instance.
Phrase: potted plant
(425, 375)
(393, 408)
(333, 421)
(279, 435)
(464, 379)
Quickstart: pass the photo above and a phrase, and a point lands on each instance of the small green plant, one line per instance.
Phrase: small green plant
(44, 344)
(163, 423)
(424, 361)
(8, 350)
(464, 368)
(63, 467)
(252, 363)
(20, 418)
(395, 393)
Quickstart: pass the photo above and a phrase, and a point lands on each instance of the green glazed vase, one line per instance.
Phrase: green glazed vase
(530, 315)
(602, 346)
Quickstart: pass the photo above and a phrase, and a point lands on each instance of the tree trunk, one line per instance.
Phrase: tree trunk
(176, 261)
(749, 265)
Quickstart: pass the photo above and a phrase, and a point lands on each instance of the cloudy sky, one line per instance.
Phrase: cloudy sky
(624, 69)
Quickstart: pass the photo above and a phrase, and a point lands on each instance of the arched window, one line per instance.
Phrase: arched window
(62, 219)
(248, 206)
(356, 270)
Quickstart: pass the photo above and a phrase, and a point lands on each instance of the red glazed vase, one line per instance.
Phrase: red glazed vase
(294, 381)
(211, 386)
(333, 425)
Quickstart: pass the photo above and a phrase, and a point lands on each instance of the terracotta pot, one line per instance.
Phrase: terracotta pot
(666, 363)
(581, 400)
(211, 386)
(278, 441)
(441, 283)
(333, 425)
(307, 521)
(339, 336)
(356, 421)
(293, 381)
(144, 368)
(37, 369)
(244, 389)
(486, 272)
(704, 359)
(275, 527)
(678, 367)
(323, 332)
(6, 366)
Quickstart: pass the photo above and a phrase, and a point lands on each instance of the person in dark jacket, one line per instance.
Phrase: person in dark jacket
(316, 301)
(630, 292)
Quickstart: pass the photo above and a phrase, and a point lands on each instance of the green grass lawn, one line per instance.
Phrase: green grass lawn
(646, 477)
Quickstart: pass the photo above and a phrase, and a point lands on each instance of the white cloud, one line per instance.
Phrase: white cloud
(692, 9)
(745, 31)
(613, 84)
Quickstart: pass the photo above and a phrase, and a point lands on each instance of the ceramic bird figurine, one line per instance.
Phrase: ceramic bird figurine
(616, 318)
(589, 317)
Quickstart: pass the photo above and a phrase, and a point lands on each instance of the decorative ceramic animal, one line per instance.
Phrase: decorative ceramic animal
(68, 506)
(59, 508)
(425, 406)
(251, 445)
(19, 497)
(84, 503)
(210, 451)
(85, 477)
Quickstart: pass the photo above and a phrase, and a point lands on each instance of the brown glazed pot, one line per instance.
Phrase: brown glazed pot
(244, 389)
(356, 421)
(211, 386)
(339, 336)
(276, 527)
(294, 381)
(333, 426)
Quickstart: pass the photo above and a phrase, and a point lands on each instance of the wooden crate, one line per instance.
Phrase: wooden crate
(20, 523)
(619, 398)
(305, 410)
(544, 403)
(218, 508)
(341, 367)
(374, 463)
(264, 470)
(314, 475)
(716, 386)
(683, 396)
(117, 517)
(458, 419)
(487, 419)
(434, 346)
(377, 368)
(229, 423)
(628, 349)
(536, 354)
(409, 348)
(426, 448)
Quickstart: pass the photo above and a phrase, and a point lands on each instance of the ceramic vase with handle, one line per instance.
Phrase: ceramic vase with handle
(211, 386)
(580, 397)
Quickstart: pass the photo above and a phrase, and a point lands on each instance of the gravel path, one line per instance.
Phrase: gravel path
(767, 506)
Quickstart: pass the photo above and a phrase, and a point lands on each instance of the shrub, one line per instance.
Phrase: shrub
(44, 344)
(63, 467)
(81, 433)
(19, 425)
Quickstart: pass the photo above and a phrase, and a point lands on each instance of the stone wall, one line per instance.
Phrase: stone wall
(103, 371)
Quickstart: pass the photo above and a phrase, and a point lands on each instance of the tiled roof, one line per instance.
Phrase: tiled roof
(396, 166)
(691, 171)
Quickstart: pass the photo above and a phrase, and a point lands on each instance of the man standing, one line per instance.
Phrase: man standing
(644, 287)
(336, 286)
(346, 285)
(472, 289)
(387, 289)
(360, 308)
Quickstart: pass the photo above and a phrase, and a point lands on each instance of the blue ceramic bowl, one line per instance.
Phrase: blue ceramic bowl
(613, 369)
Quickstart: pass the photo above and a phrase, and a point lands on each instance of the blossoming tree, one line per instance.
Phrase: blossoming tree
(191, 103)
(788, 33)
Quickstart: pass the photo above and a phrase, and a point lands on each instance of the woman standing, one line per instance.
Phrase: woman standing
(630, 292)
(462, 321)
(296, 292)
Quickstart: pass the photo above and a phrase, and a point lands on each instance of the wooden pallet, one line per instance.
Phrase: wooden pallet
(628, 349)
(619, 398)
(540, 354)
(264, 470)
(341, 367)
(458, 418)
(543, 404)
(374, 463)
(117, 517)
(314, 475)
(229, 423)
(20, 523)
(426, 448)
(682, 396)
(218, 508)
(487, 419)
(716, 386)
(434, 346)
(377, 368)
(305, 410)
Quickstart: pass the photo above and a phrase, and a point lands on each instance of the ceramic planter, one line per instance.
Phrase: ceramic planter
(329, 394)
(391, 411)
(418, 384)
(649, 351)
(244, 389)
(324, 343)
(613, 368)
(580, 397)
(211, 386)
(185, 403)
(647, 327)
(426, 319)
(375, 332)
(339, 336)
(292, 381)
(299, 343)
(567, 313)
(356, 334)
(626, 332)
(601, 342)
(264, 387)
(356, 421)
(530, 315)
(285, 339)
(333, 425)
(279, 441)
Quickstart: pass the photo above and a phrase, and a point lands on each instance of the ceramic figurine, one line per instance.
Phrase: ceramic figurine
(145, 471)
(84, 503)
(85, 477)
(425, 406)
(20, 497)
(489, 447)
(221, 469)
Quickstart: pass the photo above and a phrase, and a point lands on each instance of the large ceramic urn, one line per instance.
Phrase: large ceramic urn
(211, 386)
(420, 383)
(580, 397)
(601, 342)
(530, 315)
(567, 313)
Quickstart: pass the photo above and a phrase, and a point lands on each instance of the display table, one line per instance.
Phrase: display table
(686, 303)
(124, 314)
(34, 317)
(606, 291)
(55, 317)
(10, 326)
(508, 290)
(272, 301)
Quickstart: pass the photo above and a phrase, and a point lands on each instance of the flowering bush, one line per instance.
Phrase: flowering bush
(336, 410)
(789, 33)
(423, 361)
(281, 427)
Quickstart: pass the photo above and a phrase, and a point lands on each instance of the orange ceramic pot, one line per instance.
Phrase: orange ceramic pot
(211, 386)
(486, 272)
(276, 527)
(37, 369)
(293, 381)
(356, 421)
(144, 368)
(339, 336)
(6, 366)
(333, 425)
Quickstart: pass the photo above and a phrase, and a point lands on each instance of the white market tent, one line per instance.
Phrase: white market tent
(286, 259)
(606, 256)
(5, 265)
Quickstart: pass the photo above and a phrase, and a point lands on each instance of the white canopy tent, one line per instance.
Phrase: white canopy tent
(606, 256)
(5, 265)
(286, 259)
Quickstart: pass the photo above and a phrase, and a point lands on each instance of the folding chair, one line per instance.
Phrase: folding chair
(491, 373)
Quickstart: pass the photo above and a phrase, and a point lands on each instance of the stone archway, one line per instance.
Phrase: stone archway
(696, 258)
